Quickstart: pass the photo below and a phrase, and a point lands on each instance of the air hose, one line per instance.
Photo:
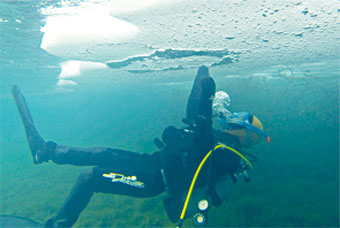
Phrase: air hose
(180, 222)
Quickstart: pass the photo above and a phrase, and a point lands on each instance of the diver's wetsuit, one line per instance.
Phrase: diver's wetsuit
(144, 166)
(174, 164)
(178, 172)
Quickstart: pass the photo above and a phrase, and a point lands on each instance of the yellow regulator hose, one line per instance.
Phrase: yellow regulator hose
(180, 222)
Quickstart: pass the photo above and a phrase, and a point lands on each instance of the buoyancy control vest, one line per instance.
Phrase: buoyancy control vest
(182, 152)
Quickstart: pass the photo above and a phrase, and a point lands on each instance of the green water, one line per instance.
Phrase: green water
(294, 184)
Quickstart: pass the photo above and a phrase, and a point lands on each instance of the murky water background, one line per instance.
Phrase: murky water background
(285, 73)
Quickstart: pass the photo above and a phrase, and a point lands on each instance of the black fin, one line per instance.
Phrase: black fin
(193, 101)
(22, 107)
(200, 99)
(36, 143)
(206, 98)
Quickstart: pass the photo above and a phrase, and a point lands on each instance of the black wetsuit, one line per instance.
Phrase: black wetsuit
(176, 162)
(144, 166)
(178, 166)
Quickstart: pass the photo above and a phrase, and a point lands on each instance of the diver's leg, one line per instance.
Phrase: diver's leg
(75, 202)
(93, 181)
(96, 156)
(44, 151)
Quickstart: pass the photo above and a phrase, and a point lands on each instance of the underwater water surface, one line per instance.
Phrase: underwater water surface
(116, 73)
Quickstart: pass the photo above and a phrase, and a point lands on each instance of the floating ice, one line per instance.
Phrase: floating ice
(172, 59)
(126, 33)
(63, 82)
(66, 32)
(120, 7)
(74, 68)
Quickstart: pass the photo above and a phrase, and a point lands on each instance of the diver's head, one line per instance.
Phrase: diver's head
(245, 126)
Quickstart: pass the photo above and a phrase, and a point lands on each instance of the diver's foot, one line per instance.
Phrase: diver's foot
(37, 146)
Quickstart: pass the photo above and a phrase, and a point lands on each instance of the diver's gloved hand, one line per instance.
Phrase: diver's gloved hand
(171, 135)
(199, 123)
(189, 122)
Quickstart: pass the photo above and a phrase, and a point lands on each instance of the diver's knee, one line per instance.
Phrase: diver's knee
(86, 177)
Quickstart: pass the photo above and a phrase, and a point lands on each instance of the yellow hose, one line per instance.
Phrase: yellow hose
(236, 152)
(198, 171)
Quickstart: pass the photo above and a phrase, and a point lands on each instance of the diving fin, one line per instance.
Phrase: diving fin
(201, 96)
(206, 99)
(22, 107)
(36, 143)
(195, 95)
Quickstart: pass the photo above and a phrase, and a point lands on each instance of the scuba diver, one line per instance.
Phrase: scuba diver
(197, 156)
